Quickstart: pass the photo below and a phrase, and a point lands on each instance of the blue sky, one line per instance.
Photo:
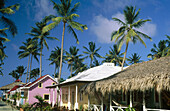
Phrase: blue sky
(97, 15)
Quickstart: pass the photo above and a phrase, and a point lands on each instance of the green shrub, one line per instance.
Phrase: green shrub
(26, 107)
(130, 109)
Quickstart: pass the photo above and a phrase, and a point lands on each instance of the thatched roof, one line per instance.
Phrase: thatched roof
(10, 86)
(141, 76)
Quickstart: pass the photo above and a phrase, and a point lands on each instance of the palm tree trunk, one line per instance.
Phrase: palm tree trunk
(61, 58)
(55, 70)
(90, 63)
(41, 61)
(27, 69)
(71, 68)
(30, 68)
(20, 76)
(124, 55)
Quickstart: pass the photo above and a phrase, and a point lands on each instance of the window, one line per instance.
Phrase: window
(46, 97)
(53, 83)
(40, 85)
(81, 96)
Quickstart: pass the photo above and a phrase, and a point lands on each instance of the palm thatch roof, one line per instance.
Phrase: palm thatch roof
(10, 86)
(142, 76)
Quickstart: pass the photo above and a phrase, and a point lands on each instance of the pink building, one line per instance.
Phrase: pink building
(38, 87)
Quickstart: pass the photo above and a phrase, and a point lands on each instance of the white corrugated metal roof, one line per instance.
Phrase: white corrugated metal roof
(95, 73)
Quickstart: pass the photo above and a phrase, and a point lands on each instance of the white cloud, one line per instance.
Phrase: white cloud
(39, 8)
(43, 8)
(103, 27)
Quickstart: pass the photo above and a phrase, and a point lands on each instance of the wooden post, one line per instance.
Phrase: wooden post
(88, 102)
(110, 101)
(130, 99)
(76, 104)
(69, 97)
(144, 106)
(61, 100)
(160, 104)
(102, 103)
(53, 98)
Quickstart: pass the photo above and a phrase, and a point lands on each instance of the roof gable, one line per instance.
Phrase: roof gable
(40, 79)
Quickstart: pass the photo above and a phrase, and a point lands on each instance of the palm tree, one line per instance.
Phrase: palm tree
(92, 52)
(1, 73)
(159, 51)
(35, 73)
(14, 74)
(29, 49)
(66, 14)
(41, 104)
(37, 33)
(2, 41)
(20, 70)
(135, 58)
(96, 63)
(25, 53)
(79, 66)
(71, 57)
(127, 32)
(114, 56)
(33, 50)
(5, 20)
(55, 58)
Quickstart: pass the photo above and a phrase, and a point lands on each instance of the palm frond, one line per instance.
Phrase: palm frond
(71, 30)
(9, 24)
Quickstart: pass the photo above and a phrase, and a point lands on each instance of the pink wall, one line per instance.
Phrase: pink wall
(33, 91)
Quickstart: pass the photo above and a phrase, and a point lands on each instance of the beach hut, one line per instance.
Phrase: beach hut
(70, 95)
(38, 87)
(8, 87)
(147, 83)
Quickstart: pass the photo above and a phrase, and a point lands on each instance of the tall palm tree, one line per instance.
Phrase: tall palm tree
(79, 66)
(92, 52)
(25, 53)
(135, 58)
(55, 58)
(67, 15)
(159, 51)
(37, 33)
(14, 74)
(3, 39)
(20, 70)
(128, 31)
(96, 63)
(29, 49)
(5, 21)
(168, 45)
(1, 73)
(71, 57)
(114, 56)
(33, 50)
(35, 73)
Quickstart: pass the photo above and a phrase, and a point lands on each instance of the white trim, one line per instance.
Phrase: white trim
(88, 102)
(53, 98)
(130, 99)
(69, 97)
(144, 105)
(41, 80)
(76, 104)
(28, 96)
